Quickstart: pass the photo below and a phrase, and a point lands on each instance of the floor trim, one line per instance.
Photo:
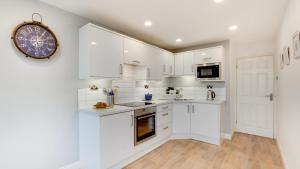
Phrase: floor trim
(75, 165)
(226, 136)
(283, 158)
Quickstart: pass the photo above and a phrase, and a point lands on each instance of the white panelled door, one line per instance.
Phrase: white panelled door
(255, 96)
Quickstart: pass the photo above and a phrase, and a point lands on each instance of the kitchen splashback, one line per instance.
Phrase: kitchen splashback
(130, 90)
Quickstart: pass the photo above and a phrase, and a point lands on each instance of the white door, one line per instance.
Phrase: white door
(255, 96)
(181, 119)
(188, 63)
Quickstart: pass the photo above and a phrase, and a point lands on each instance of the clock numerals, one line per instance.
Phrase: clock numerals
(35, 40)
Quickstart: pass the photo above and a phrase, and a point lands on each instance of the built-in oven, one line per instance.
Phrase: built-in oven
(145, 124)
(209, 71)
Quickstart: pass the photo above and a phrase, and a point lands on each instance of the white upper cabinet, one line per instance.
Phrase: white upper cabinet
(209, 55)
(178, 64)
(135, 52)
(154, 64)
(100, 53)
(168, 63)
(188, 63)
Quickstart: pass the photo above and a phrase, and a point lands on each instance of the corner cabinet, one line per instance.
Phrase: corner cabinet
(198, 121)
(100, 53)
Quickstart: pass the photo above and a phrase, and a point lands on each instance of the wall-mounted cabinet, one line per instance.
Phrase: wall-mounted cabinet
(188, 63)
(135, 52)
(178, 64)
(209, 55)
(100, 53)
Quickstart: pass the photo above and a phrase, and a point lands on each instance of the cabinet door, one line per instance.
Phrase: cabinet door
(205, 121)
(117, 138)
(165, 61)
(154, 63)
(134, 52)
(101, 53)
(171, 64)
(188, 63)
(181, 118)
(179, 64)
(215, 54)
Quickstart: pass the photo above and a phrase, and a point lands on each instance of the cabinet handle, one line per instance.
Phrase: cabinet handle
(166, 128)
(136, 61)
(164, 68)
(132, 120)
(121, 69)
(165, 114)
(192, 68)
(188, 107)
(193, 108)
(171, 69)
(166, 107)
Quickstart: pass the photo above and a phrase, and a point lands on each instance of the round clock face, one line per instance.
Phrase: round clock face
(35, 40)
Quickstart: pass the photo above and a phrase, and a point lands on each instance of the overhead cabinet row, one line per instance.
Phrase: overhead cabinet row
(186, 62)
(103, 53)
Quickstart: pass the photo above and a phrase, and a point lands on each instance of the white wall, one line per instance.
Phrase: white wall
(38, 99)
(289, 92)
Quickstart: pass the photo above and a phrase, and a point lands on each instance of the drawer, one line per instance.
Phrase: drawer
(165, 107)
(163, 117)
(164, 131)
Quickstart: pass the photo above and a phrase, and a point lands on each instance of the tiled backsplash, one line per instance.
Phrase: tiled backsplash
(130, 90)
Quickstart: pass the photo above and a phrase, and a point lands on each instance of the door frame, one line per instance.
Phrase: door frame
(275, 77)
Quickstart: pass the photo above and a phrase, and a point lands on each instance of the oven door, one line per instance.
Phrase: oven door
(210, 71)
(144, 128)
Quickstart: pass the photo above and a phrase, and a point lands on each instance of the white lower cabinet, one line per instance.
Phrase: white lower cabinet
(181, 120)
(197, 121)
(117, 133)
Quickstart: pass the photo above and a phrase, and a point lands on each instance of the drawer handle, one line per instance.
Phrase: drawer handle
(166, 128)
(166, 107)
(165, 114)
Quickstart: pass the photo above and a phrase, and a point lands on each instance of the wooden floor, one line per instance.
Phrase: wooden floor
(243, 152)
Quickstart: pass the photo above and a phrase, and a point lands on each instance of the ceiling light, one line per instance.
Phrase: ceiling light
(203, 54)
(178, 40)
(233, 27)
(148, 23)
(126, 51)
(218, 1)
(93, 43)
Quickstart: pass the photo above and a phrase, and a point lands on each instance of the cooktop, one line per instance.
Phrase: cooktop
(135, 104)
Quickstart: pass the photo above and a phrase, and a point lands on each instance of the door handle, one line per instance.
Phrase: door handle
(271, 96)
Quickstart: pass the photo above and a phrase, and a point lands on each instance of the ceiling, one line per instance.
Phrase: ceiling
(194, 21)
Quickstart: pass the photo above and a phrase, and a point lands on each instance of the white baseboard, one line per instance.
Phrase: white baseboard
(226, 136)
(282, 154)
(75, 165)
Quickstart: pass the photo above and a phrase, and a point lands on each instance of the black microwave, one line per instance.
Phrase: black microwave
(209, 71)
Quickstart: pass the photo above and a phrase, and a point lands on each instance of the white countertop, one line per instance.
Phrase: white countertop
(116, 109)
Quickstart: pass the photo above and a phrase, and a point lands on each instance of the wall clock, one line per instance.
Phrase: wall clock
(34, 39)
